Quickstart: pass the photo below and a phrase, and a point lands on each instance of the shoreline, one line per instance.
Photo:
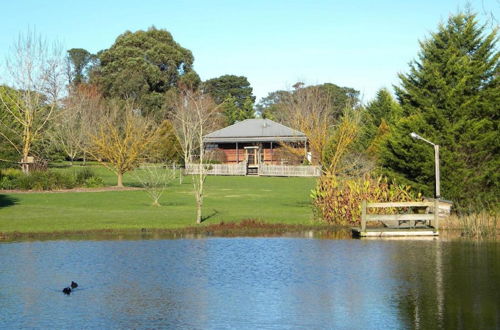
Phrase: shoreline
(245, 228)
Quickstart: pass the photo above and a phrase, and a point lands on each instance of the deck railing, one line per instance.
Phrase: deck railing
(218, 169)
(289, 170)
(411, 217)
(263, 169)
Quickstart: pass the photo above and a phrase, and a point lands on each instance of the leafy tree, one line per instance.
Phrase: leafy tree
(235, 93)
(268, 106)
(79, 62)
(233, 113)
(142, 66)
(166, 147)
(381, 113)
(450, 96)
(339, 98)
(383, 107)
(229, 85)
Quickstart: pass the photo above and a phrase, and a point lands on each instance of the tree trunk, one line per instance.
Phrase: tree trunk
(25, 167)
(198, 212)
(120, 180)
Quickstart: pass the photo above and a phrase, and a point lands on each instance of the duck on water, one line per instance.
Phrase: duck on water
(68, 289)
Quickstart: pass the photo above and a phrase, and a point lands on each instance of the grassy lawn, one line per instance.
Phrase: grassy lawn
(228, 199)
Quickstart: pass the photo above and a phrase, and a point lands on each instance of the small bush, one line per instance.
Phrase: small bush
(45, 180)
(11, 172)
(7, 183)
(94, 182)
(84, 174)
(48, 180)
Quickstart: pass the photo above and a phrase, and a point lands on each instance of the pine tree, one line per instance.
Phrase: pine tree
(450, 96)
(234, 113)
(381, 113)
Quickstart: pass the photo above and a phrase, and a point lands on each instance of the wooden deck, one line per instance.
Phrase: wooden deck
(391, 232)
(418, 219)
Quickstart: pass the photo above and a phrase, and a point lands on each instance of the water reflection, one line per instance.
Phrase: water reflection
(260, 283)
(457, 286)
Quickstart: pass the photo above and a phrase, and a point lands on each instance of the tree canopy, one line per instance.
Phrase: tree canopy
(339, 99)
(229, 85)
(79, 61)
(142, 66)
(235, 93)
(450, 96)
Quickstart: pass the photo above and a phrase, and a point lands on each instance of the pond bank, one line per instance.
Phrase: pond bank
(245, 228)
(249, 228)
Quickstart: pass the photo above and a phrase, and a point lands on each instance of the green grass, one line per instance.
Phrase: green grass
(228, 199)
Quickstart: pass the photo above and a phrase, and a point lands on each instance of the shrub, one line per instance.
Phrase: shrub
(7, 183)
(84, 174)
(11, 172)
(45, 180)
(93, 182)
(338, 200)
(48, 180)
(8, 178)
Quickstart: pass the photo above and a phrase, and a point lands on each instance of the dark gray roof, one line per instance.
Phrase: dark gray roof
(255, 130)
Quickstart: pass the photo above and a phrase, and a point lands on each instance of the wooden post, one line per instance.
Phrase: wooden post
(363, 216)
(271, 153)
(436, 214)
(237, 154)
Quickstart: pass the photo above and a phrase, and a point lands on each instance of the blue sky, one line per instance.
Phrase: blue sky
(361, 44)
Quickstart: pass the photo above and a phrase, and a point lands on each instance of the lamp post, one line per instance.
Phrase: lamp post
(436, 161)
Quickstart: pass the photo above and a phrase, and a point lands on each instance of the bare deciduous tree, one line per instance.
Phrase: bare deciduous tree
(70, 130)
(121, 138)
(36, 74)
(194, 116)
(155, 178)
(338, 158)
(308, 110)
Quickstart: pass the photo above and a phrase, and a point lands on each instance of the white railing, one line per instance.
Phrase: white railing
(263, 169)
(289, 170)
(219, 169)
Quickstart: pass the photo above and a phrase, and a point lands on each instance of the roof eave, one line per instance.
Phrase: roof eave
(255, 139)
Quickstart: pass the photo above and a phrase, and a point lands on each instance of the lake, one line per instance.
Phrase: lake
(251, 283)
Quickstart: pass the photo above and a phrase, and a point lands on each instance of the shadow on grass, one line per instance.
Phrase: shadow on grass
(211, 215)
(6, 201)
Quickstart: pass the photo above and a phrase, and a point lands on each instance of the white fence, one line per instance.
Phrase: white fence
(289, 170)
(263, 170)
(219, 169)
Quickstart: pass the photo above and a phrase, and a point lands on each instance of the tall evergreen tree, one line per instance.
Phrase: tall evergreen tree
(235, 95)
(381, 113)
(79, 61)
(143, 66)
(450, 96)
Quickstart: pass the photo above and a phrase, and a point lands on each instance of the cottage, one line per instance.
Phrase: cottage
(257, 144)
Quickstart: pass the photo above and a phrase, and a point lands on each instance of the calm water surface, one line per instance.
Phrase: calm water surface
(251, 283)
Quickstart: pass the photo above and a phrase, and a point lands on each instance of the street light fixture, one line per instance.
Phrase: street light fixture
(436, 161)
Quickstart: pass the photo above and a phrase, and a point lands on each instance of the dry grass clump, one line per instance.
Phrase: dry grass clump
(480, 224)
